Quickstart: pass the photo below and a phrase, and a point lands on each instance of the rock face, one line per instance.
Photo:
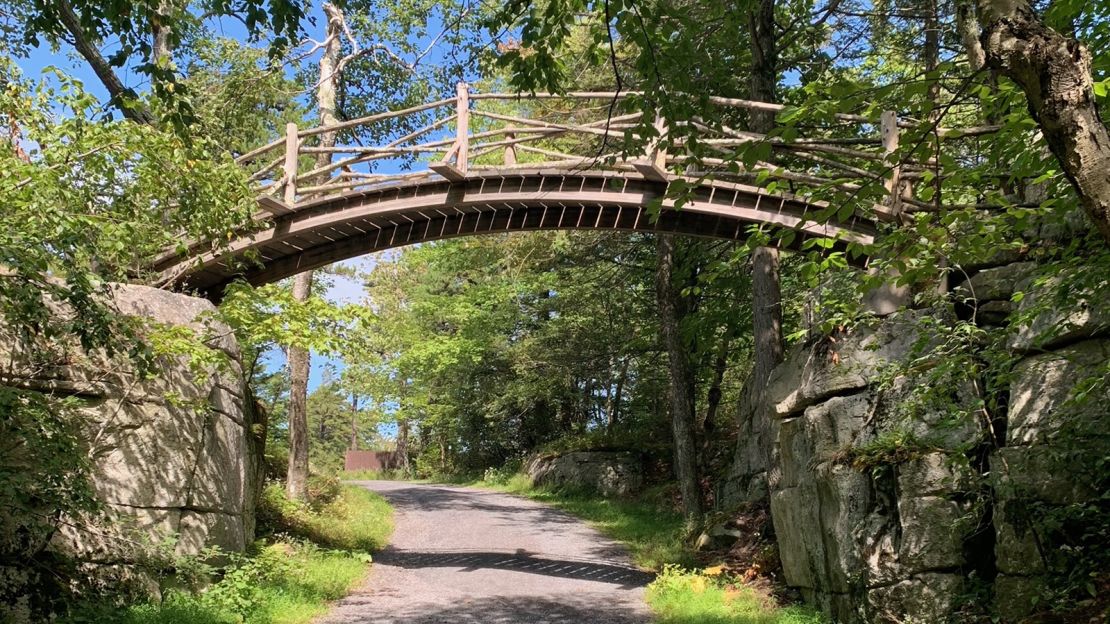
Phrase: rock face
(612, 473)
(888, 507)
(884, 535)
(176, 456)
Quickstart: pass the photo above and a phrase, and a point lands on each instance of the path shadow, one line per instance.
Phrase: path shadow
(520, 561)
(570, 610)
(433, 498)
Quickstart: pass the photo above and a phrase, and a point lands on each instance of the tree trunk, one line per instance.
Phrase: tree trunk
(968, 28)
(123, 98)
(931, 57)
(1054, 71)
(299, 363)
(299, 358)
(764, 71)
(713, 397)
(614, 418)
(766, 287)
(767, 331)
(681, 381)
(354, 422)
(161, 32)
(403, 443)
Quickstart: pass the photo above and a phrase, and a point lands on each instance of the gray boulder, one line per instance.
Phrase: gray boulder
(611, 473)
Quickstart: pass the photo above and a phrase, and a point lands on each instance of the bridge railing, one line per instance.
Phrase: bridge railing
(475, 131)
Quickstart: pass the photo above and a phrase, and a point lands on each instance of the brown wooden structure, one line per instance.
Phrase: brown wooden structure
(372, 460)
(499, 172)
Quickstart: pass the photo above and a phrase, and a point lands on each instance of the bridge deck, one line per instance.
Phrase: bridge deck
(579, 176)
(337, 227)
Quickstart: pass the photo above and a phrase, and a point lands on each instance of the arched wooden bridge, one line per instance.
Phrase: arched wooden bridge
(342, 208)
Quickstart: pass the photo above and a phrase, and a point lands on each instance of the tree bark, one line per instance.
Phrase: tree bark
(296, 478)
(713, 397)
(1054, 71)
(681, 381)
(161, 31)
(403, 443)
(614, 417)
(968, 28)
(123, 98)
(763, 78)
(766, 315)
(354, 422)
(931, 54)
(299, 359)
(766, 285)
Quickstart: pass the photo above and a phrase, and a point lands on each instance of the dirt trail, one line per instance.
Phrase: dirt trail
(468, 556)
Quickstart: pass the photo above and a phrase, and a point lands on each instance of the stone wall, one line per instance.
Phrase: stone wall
(176, 456)
(890, 509)
(612, 473)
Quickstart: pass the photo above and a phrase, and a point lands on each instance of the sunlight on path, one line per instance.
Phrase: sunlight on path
(472, 556)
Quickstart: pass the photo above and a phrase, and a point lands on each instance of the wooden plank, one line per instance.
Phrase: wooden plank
(274, 206)
(291, 147)
(650, 170)
(462, 126)
(449, 171)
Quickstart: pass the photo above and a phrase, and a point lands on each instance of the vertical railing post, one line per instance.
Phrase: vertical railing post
(462, 103)
(510, 149)
(291, 149)
(654, 164)
(888, 297)
(888, 126)
(460, 149)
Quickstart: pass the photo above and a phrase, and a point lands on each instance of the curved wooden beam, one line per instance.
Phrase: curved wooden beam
(337, 227)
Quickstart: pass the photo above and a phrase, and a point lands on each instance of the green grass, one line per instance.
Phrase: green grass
(683, 597)
(372, 475)
(357, 519)
(282, 584)
(314, 556)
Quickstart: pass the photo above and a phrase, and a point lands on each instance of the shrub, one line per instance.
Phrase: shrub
(356, 519)
(385, 474)
(44, 476)
(276, 462)
(287, 582)
(323, 490)
(887, 449)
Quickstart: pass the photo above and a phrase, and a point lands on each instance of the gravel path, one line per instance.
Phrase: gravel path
(469, 556)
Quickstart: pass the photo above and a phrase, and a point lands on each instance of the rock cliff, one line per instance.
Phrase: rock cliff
(890, 507)
(176, 452)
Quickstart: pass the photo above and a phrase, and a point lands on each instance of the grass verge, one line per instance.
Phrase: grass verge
(354, 519)
(310, 556)
(680, 596)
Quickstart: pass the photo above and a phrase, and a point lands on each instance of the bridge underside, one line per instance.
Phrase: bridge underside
(319, 232)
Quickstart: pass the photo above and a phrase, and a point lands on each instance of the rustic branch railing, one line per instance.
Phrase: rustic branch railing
(857, 153)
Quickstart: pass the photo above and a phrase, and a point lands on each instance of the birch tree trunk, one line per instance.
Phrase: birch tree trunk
(1054, 71)
(296, 476)
(299, 358)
